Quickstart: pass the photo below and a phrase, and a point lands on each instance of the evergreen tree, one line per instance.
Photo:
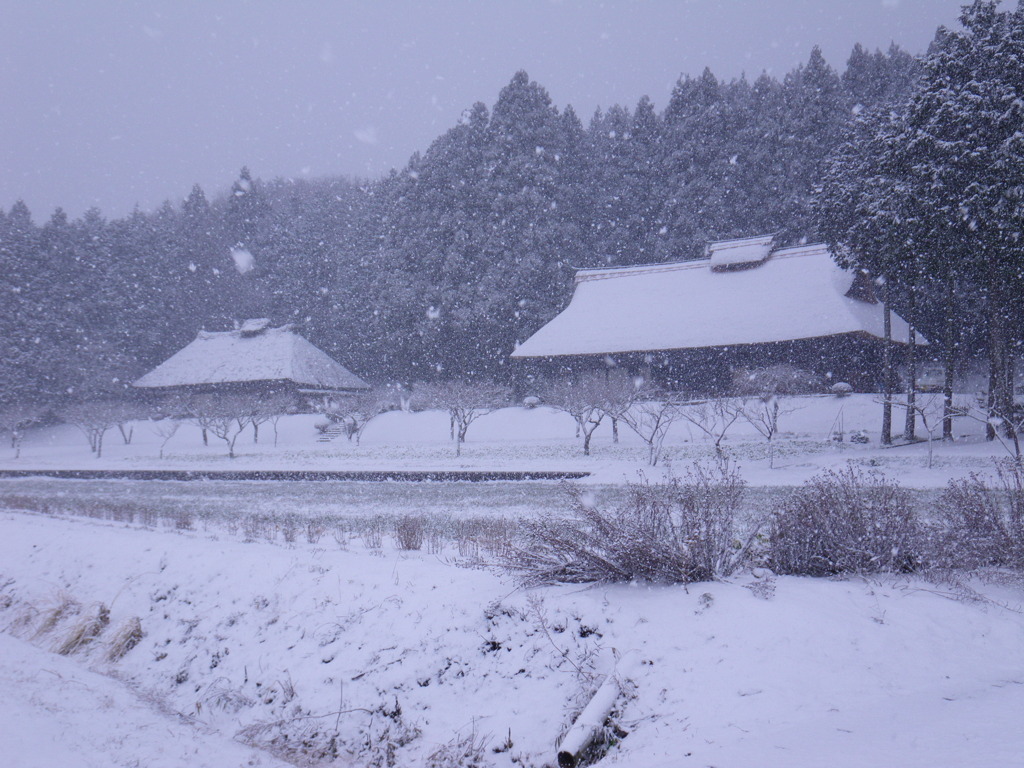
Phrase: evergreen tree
(937, 188)
(24, 353)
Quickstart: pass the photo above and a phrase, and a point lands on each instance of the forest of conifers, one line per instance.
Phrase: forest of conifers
(439, 269)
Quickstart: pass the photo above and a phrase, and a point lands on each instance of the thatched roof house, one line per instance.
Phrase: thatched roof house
(746, 297)
(254, 356)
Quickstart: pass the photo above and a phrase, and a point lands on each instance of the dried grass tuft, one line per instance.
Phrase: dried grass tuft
(85, 630)
(126, 637)
(469, 751)
(66, 606)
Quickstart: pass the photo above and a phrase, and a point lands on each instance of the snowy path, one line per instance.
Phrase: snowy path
(55, 714)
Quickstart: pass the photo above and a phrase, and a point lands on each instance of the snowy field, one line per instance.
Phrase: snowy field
(520, 439)
(226, 630)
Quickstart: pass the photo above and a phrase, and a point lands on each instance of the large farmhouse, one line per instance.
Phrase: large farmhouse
(253, 358)
(747, 304)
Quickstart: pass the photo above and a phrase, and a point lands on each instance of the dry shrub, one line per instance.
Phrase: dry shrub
(437, 534)
(342, 533)
(684, 530)
(410, 530)
(496, 536)
(289, 525)
(148, 517)
(85, 630)
(475, 537)
(220, 694)
(256, 527)
(372, 532)
(983, 525)
(303, 740)
(316, 527)
(847, 521)
(25, 502)
(183, 520)
(126, 637)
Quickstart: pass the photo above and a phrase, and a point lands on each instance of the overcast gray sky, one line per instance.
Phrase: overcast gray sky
(113, 104)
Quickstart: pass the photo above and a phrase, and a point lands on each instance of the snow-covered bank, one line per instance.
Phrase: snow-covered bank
(313, 643)
(54, 712)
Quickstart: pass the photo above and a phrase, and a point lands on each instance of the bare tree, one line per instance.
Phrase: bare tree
(365, 407)
(582, 399)
(1004, 426)
(927, 408)
(268, 407)
(714, 417)
(202, 409)
(127, 412)
(274, 419)
(15, 419)
(620, 391)
(228, 427)
(94, 419)
(763, 415)
(225, 416)
(165, 428)
(650, 416)
(464, 402)
(590, 398)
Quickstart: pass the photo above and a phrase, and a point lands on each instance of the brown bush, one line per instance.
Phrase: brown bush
(847, 521)
(982, 524)
(681, 531)
(410, 530)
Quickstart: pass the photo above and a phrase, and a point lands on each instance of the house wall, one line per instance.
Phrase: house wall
(854, 359)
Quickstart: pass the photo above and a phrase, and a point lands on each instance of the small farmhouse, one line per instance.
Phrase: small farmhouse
(748, 304)
(253, 358)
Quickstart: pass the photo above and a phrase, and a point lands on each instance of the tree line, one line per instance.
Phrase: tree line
(437, 270)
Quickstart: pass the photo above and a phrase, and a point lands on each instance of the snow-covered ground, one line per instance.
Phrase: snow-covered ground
(55, 712)
(344, 651)
(349, 651)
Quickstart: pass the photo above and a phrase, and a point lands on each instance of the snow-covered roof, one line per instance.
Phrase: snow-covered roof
(795, 293)
(738, 254)
(255, 352)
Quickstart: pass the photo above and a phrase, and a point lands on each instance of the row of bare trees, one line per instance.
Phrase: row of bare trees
(650, 412)
(225, 416)
(590, 399)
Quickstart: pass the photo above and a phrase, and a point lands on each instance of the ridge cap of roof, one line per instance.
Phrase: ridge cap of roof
(603, 273)
(738, 242)
(241, 333)
(801, 250)
(597, 273)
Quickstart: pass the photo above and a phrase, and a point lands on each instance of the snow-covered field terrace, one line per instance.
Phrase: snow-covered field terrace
(536, 439)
